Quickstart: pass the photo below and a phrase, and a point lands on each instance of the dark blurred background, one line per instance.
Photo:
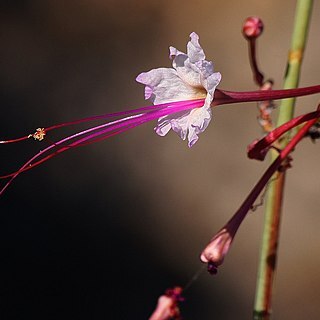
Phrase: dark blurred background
(102, 231)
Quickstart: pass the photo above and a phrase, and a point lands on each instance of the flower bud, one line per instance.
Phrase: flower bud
(167, 307)
(216, 250)
(252, 28)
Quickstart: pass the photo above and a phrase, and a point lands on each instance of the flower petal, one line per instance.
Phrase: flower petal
(192, 77)
(201, 118)
(192, 67)
(186, 124)
(164, 85)
(194, 50)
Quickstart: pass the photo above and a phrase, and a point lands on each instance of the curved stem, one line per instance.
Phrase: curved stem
(257, 74)
(259, 148)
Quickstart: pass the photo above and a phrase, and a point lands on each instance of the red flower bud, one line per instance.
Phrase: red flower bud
(252, 28)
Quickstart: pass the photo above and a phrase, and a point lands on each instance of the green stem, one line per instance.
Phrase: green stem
(298, 42)
(274, 200)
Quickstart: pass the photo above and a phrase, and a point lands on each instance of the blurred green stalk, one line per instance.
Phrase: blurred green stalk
(268, 253)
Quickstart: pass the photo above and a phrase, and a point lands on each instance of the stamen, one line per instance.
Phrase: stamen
(109, 115)
(98, 133)
(139, 116)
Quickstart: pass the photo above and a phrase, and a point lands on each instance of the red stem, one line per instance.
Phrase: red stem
(257, 75)
(234, 223)
(258, 150)
(228, 97)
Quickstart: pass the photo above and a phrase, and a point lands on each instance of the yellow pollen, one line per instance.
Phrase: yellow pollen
(38, 135)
